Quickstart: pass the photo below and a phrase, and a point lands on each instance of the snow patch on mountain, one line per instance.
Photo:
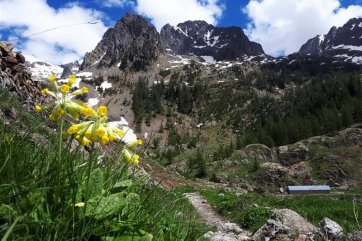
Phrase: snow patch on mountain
(209, 59)
(321, 38)
(349, 47)
(105, 85)
(41, 69)
(97, 61)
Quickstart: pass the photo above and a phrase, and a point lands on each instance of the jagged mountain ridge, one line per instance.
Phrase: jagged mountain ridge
(132, 43)
(203, 39)
(344, 42)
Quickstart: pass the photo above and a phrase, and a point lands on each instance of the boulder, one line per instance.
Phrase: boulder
(356, 236)
(285, 224)
(292, 154)
(271, 173)
(228, 232)
(330, 229)
(10, 59)
(6, 48)
(20, 58)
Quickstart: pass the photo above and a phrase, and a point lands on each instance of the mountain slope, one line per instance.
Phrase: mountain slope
(41, 69)
(344, 43)
(203, 39)
(132, 42)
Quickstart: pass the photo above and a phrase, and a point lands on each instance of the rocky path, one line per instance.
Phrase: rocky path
(225, 231)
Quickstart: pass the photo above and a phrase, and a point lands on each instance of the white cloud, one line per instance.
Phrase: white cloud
(61, 45)
(173, 12)
(282, 26)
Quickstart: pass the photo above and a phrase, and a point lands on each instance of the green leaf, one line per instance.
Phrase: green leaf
(124, 183)
(121, 186)
(140, 236)
(102, 207)
(95, 184)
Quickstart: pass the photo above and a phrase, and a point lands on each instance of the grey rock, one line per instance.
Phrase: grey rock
(284, 222)
(131, 43)
(292, 154)
(203, 39)
(331, 229)
(356, 236)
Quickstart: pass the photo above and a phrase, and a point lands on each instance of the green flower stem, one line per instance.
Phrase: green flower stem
(60, 139)
(89, 171)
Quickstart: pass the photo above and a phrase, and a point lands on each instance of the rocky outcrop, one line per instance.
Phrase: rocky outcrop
(203, 39)
(284, 224)
(270, 173)
(131, 43)
(259, 152)
(346, 137)
(356, 236)
(330, 229)
(291, 154)
(16, 77)
(69, 69)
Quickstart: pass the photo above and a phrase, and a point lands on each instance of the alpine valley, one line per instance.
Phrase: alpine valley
(220, 117)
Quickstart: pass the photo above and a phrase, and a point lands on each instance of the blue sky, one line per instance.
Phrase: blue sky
(281, 26)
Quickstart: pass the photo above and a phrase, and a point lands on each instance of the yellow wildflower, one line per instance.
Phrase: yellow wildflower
(101, 131)
(136, 142)
(73, 129)
(38, 108)
(112, 137)
(52, 78)
(130, 157)
(52, 117)
(87, 111)
(85, 141)
(135, 159)
(46, 91)
(88, 134)
(64, 89)
(102, 110)
(84, 90)
(59, 112)
(104, 140)
(72, 79)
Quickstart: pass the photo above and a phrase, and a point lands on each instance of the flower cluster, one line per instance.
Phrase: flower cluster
(64, 103)
(95, 128)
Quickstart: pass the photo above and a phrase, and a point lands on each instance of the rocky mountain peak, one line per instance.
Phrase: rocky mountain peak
(203, 39)
(343, 42)
(131, 43)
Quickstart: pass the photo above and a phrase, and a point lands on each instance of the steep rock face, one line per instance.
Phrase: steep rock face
(16, 77)
(132, 42)
(203, 39)
(69, 69)
(344, 43)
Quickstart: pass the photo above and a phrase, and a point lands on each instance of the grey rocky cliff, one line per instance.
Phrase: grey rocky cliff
(203, 39)
(16, 76)
(131, 43)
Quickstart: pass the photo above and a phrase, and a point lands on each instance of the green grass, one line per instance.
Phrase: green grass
(40, 193)
(251, 211)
